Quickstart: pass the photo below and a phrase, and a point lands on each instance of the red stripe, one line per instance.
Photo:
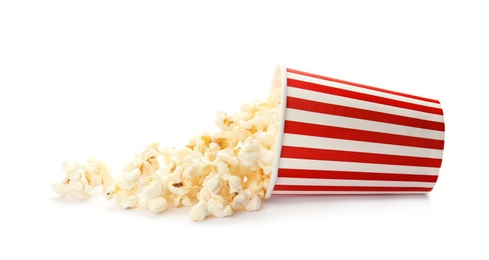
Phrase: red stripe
(293, 127)
(363, 86)
(347, 188)
(344, 175)
(362, 96)
(359, 113)
(360, 157)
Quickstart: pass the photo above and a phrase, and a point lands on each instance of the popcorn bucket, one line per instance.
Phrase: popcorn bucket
(339, 137)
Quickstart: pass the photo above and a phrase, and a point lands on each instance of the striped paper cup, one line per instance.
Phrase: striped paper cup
(339, 137)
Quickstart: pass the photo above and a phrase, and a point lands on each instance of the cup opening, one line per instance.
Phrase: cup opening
(278, 87)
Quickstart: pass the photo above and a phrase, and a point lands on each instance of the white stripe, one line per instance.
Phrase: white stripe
(360, 124)
(287, 192)
(289, 163)
(357, 146)
(351, 102)
(355, 183)
(360, 90)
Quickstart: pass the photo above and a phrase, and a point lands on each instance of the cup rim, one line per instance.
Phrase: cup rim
(280, 74)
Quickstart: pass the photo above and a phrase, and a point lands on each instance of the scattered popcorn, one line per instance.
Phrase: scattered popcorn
(187, 202)
(218, 207)
(238, 200)
(155, 189)
(224, 121)
(249, 153)
(177, 188)
(252, 202)
(215, 173)
(199, 211)
(235, 185)
(157, 204)
(80, 179)
(227, 155)
(125, 189)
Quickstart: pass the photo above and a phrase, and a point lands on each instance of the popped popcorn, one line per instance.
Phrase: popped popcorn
(199, 211)
(125, 189)
(215, 173)
(152, 195)
(80, 179)
(157, 204)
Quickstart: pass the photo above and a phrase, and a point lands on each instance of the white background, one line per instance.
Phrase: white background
(106, 78)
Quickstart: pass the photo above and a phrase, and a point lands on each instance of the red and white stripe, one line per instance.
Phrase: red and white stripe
(345, 138)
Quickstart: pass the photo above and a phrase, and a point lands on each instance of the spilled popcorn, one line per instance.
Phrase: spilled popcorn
(216, 173)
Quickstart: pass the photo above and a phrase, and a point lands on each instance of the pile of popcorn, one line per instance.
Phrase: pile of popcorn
(215, 173)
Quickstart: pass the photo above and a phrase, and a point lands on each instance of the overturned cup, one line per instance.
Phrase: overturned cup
(339, 137)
